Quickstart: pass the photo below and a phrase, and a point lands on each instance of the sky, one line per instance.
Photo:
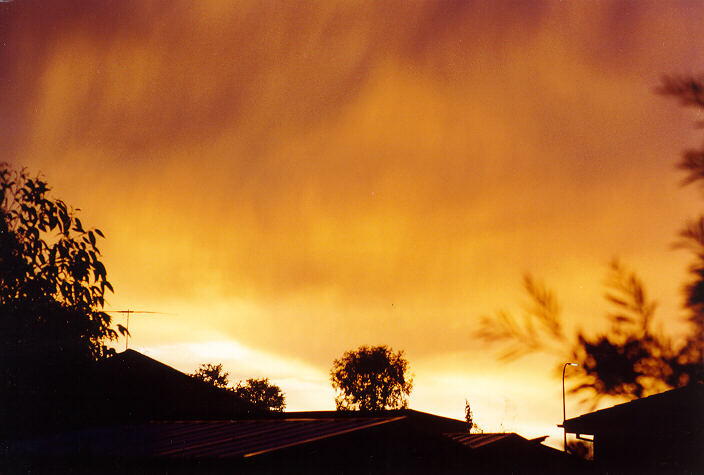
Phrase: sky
(286, 181)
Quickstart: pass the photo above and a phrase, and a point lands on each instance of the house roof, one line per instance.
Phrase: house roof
(198, 439)
(253, 437)
(502, 441)
(138, 388)
(226, 438)
(476, 441)
(509, 452)
(403, 440)
(677, 409)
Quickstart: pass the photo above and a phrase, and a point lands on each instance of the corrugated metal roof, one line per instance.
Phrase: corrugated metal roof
(195, 439)
(475, 441)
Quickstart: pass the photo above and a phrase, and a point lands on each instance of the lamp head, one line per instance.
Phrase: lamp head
(573, 364)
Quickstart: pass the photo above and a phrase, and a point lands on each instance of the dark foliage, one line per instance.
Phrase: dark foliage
(690, 92)
(527, 334)
(212, 374)
(581, 449)
(632, 359)
(262, 395)
(371, 379)
(52, 291)
(469, 418)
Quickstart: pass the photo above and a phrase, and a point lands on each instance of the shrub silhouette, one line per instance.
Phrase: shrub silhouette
(261, 395)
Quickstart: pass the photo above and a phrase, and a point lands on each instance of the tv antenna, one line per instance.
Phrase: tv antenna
(127, 326)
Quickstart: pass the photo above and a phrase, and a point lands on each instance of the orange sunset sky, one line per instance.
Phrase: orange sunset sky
(289, 180)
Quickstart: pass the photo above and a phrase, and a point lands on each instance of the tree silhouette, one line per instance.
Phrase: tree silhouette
(212, 374)
(371, 379)
(632, 359)
(52, 291)
(263, 395)
(469, 418)
(690, 92)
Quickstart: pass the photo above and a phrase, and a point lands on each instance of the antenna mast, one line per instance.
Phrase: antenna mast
(127, 326)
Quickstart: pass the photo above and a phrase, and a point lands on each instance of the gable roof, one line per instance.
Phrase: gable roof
(510, 453)
(678, 409)
(137, 388)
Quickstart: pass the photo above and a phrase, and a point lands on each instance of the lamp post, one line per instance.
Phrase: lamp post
(564, 430)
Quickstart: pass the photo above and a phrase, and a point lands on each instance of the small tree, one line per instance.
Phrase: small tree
(469, 418)
(371, 379)
(212, 374)
(263, 395)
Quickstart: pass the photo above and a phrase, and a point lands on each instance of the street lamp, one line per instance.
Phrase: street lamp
(564, 430)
